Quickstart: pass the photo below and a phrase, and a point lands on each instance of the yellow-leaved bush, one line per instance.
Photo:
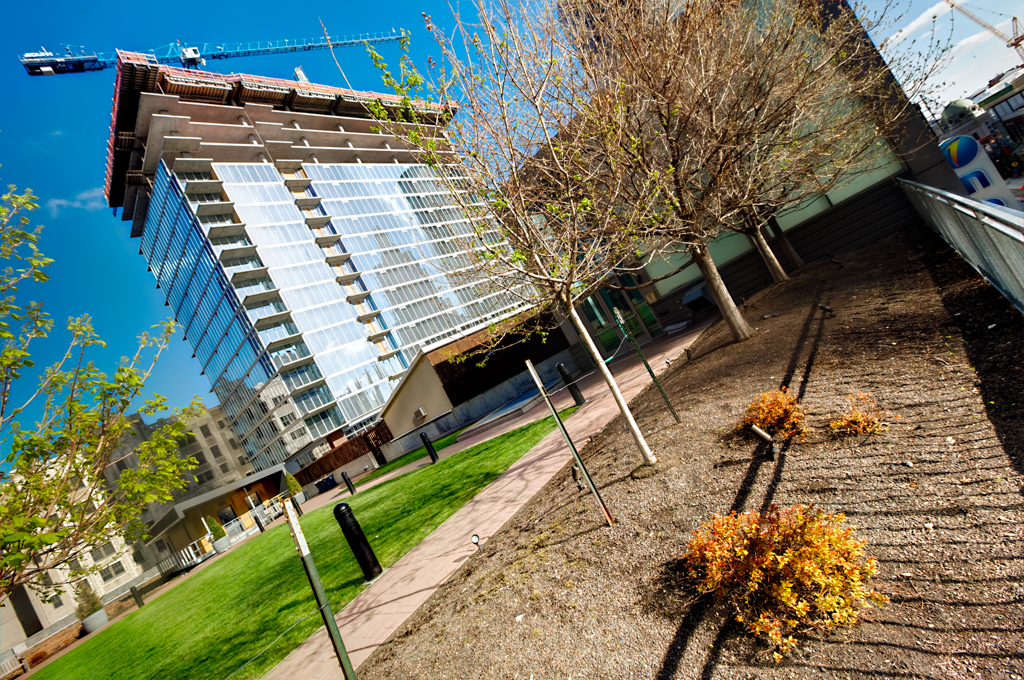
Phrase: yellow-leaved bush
(863, 416)
(784, 570)
(776, 412)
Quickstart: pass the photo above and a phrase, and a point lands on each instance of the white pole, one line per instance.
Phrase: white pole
(638, 436)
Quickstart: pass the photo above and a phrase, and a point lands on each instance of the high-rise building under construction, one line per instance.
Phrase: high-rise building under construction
(307, 256)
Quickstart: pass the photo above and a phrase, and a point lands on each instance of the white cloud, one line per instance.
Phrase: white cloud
(972, 41)
(921, 22)
(972, 70)
(90, 199)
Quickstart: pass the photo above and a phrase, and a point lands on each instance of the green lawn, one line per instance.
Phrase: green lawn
(222, 616)
(421, 452)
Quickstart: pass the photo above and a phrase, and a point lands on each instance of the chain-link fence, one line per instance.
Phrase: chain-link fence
(991, 239)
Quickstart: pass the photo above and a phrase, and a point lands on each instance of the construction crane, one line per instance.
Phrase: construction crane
(76, 59)
(1015, 42)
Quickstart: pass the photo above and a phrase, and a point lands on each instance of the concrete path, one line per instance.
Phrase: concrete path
(375, 613)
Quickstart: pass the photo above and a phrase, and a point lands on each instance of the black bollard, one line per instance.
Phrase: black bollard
(577, 396)
(429, 447)
(295, 504)
(348, 483)
(259, 521)
(138, 596)
(357, 541)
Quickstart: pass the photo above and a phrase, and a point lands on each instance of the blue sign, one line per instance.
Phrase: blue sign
(960, 151)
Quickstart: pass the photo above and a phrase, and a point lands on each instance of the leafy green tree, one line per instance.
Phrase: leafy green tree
(216, 530)
(55, 501)
(293, 484)
(87, 602)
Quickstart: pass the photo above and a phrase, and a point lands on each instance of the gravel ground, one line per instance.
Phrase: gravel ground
(938, 497)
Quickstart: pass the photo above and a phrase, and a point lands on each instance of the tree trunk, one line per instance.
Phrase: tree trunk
(588, 342)
(778, 273)
(787, 247)
(741, 330)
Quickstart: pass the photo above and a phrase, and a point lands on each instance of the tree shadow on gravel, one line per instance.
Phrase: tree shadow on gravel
(995, 352)
(673, 583)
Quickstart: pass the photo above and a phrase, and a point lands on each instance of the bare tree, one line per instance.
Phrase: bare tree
(531, 163)
(740, 110)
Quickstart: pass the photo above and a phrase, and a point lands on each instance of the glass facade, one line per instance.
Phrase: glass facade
(306, 291)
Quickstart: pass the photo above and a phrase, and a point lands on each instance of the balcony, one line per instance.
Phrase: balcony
(246, 274)
(348, 277)
(284, 342)
(338, 258)
(293, 360)
(353, 298)
(297, 182)
(388, 355)
(232, 252)
(307, 202)
(366, 316)
(314, 221)
(317, 409)
(327, 239)
(272, 320)
(203, 186)
(306, 387)
(258, 296)
(222, 230)
(217, 208)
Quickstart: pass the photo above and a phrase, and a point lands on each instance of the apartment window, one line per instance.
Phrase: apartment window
(75, 565)
(287, 418)
(220, 424)
(112, 571)
(160, 545)
(224, 468)
(242, 460)
(233, 444)
(105, 550)
(200, 458)
(139, 557)
(215, 450)
(204, 477)
(56, 602)
(205, 430)
(122, 465)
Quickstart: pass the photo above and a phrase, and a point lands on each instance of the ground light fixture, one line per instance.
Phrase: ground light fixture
(476, 542)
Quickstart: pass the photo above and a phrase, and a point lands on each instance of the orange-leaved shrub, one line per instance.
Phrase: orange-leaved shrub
(784, 570)
(776, 412)
(863, 416)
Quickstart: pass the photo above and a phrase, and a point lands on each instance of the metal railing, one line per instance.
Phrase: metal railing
(191, 555)
(11, 664)
(245, 525)
(237, 529)
(990, 239)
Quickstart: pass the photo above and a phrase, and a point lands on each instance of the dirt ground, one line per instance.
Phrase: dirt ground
(938, 497)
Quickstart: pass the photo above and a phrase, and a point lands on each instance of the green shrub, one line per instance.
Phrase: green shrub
(293, 484)
(88, 602)
(784, 570)
(776, 412)
(216, 530)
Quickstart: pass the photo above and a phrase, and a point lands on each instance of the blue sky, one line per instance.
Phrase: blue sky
(53, 134)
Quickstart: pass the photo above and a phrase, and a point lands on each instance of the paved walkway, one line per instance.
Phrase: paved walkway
(375, 613)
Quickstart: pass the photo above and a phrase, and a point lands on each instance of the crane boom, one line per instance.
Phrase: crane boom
(78, 60)
(1016, 42)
